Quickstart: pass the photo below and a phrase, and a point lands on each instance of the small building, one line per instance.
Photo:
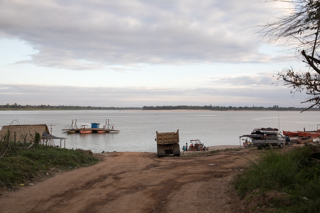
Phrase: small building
(26, 133)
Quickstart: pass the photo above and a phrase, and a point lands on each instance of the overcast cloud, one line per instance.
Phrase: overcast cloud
(98, 32)
(138, 52)
(138, 97)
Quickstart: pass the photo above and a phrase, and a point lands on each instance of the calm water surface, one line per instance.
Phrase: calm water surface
(138, 128)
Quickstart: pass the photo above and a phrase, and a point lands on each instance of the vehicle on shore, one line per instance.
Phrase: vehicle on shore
(167, 143)
(196, 145)
(266, 138)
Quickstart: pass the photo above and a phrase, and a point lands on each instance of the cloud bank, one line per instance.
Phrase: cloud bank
(91, 34)
(146, 96)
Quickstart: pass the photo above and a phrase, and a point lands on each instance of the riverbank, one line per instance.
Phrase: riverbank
(139, 182)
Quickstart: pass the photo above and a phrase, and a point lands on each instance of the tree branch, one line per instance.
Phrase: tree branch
(310, 62)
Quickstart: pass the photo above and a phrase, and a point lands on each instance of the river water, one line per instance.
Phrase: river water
(138, 128)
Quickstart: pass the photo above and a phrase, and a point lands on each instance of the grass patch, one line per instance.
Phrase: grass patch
(294, 175)
(234, 149)
(20, 164)
(198, 153)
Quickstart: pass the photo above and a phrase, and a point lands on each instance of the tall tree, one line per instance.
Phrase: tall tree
(301, 27)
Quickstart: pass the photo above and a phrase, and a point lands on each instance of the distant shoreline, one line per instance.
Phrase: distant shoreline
(18, 107)
(157, 110)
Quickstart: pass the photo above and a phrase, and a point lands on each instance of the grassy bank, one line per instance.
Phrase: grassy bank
(20, 164)
(282, 182)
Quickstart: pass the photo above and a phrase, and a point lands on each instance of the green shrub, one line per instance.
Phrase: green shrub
(37, 139)
(21, 164)
(293, 173)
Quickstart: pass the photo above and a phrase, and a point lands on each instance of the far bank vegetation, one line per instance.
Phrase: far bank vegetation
(16, 106)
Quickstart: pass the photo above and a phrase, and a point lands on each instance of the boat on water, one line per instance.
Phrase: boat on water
(71, 131)
(313, 134)
(83, 130)
(72, 128)
(107, 128)
(290, 133)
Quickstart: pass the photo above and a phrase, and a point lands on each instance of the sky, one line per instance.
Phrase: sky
(134, 53)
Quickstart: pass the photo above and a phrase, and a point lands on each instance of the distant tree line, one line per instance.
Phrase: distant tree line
(16, 106)
(225, 108)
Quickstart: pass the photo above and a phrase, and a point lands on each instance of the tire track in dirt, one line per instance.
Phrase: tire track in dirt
(136, 182)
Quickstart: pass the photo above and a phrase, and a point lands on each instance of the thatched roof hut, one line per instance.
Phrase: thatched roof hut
(25, 133)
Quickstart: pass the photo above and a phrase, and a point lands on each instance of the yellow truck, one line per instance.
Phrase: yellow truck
(168, 143)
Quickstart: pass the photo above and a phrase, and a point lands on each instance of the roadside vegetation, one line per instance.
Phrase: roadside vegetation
(22, 163)
(278, 182)
(198, 153)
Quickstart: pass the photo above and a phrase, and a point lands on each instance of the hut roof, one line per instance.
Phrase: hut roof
(26, 132)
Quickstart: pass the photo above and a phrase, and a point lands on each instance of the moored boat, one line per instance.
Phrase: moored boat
(290, 133)
(71, 131)
(83, 130)
(313, 134)
(101, 131)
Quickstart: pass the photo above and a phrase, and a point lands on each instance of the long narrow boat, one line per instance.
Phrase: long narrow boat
(313, 134)
(290, 133)
(101, 131)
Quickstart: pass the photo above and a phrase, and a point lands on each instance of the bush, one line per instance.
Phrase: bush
(22, 164)
(293, 173)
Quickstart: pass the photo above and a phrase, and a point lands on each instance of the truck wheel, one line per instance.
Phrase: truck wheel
(176, 150)
(161, 151)
(281, 145)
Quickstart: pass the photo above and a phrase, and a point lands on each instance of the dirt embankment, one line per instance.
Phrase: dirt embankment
(137, 182)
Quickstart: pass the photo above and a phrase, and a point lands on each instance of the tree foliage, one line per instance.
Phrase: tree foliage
(301, 27)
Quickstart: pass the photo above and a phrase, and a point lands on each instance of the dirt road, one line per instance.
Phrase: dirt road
(137, 182)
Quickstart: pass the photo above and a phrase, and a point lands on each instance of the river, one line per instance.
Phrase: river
(138, 128)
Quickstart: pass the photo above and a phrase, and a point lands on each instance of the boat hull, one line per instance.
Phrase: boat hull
(290, 133)
(85, 131)
(313, 134)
